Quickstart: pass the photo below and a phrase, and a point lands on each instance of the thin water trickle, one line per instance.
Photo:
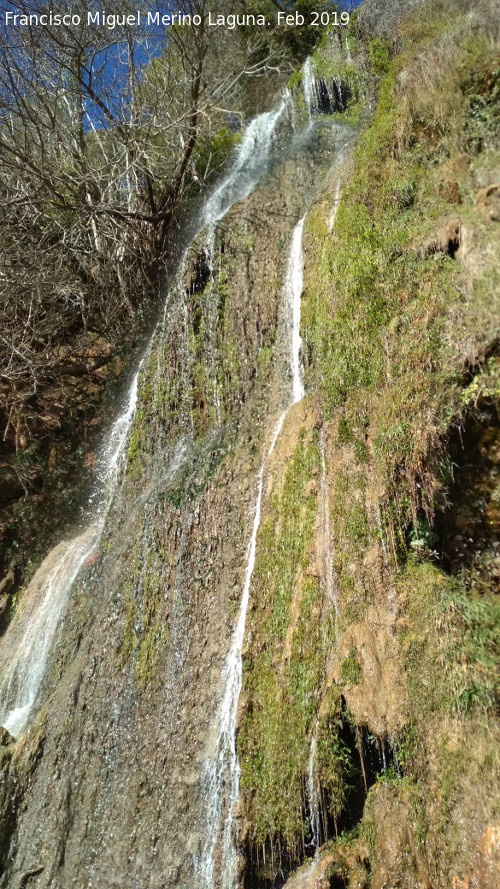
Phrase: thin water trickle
(348, 50)
(313, 794)
(338, 84)
(309, 87)
(222, 769)
(26, 644)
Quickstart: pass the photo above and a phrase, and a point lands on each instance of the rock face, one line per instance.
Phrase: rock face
(110, 771)
(366, 719)
(379, 697)
(331, 96)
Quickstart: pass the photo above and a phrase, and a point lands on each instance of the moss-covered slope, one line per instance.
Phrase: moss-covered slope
(370, 668)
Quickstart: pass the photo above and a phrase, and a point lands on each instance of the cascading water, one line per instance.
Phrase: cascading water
(293, 290)
(222, 776)
(348, 50)
(308, 87)
(251, 162)
(29, 637)
(26, 645)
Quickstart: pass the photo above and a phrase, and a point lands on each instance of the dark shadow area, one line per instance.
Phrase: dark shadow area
(468, 529)
(331, 97)
(370, 759)
(201, 274)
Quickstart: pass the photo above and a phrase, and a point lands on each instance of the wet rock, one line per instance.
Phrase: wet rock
(131, 690)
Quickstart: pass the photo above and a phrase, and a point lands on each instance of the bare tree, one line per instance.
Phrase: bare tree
(98, 131)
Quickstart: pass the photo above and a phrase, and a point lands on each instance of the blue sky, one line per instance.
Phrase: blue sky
(146, 44)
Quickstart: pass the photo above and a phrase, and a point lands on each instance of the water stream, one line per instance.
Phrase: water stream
(222, 769)
(308, 86)
(251, 161)
(25, 647)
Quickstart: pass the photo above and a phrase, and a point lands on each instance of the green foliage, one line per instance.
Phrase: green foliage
(368, 828)
(376, 312)
(450, 648)
(379, 54)
(387, 314)
(482, 111)
(281, 678)
(212, 152)
(335, 767)
(350, 669)
(284, 535)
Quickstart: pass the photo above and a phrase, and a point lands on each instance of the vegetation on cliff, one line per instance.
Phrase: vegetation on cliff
(367, 721)
(400, 327)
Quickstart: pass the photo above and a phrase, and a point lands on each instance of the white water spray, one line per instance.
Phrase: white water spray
(348, 50)
(251, 162)
(308, 86)
(335, 206)
(26, 644)
(223, 772)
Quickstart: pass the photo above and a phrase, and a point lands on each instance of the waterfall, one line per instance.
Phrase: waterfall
(348, 50)
(251, 162)
(222, 769)
(308, 87)
(29, 637)
(26, 645)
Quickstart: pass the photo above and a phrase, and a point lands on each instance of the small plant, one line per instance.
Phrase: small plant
(350, 669)
(379, 54)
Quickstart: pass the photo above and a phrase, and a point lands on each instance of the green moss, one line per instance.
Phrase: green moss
(212, 152)
(386, 316)
(377, 308)
(191, 479)
(295, 79)
(379, 53)
(281, 679)
(334, 763)
(284, 535)
(449, 647)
